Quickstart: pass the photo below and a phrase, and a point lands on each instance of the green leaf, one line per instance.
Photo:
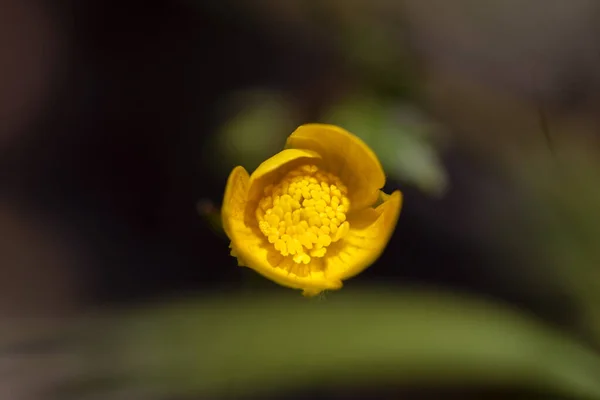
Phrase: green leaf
(259, 124)
(561, 219)
(402, 138)
(253, 346)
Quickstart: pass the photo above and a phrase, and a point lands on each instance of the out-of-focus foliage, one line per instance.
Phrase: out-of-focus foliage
(404, 139)
(258, 123)
(259, 345)
(564, 217)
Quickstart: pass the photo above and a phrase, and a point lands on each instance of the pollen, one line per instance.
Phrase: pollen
(304, 213)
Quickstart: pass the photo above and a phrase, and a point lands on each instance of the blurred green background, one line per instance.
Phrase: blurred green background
(121, 120)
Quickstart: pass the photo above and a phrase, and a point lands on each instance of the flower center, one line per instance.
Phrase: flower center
(304, 213)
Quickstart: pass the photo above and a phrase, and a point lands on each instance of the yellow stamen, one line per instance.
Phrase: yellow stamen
(304, 213)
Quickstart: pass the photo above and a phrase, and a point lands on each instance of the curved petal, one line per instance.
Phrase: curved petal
(235, 199)
(275, 167)
(370, 232)
(253, 250)
(345, 155)
(280, 270)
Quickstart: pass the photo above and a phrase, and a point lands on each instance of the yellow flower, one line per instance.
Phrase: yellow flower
(312, 215)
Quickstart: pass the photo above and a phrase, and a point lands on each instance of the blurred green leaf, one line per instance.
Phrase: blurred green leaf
(255, 345)
(402, 138)
(562, 219)
(259, 124)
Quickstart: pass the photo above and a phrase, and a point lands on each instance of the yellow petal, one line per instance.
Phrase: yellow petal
(273, 266)
(345, 155)
(235, 199)
(370, 232)
(276, 167)
(251, 247)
